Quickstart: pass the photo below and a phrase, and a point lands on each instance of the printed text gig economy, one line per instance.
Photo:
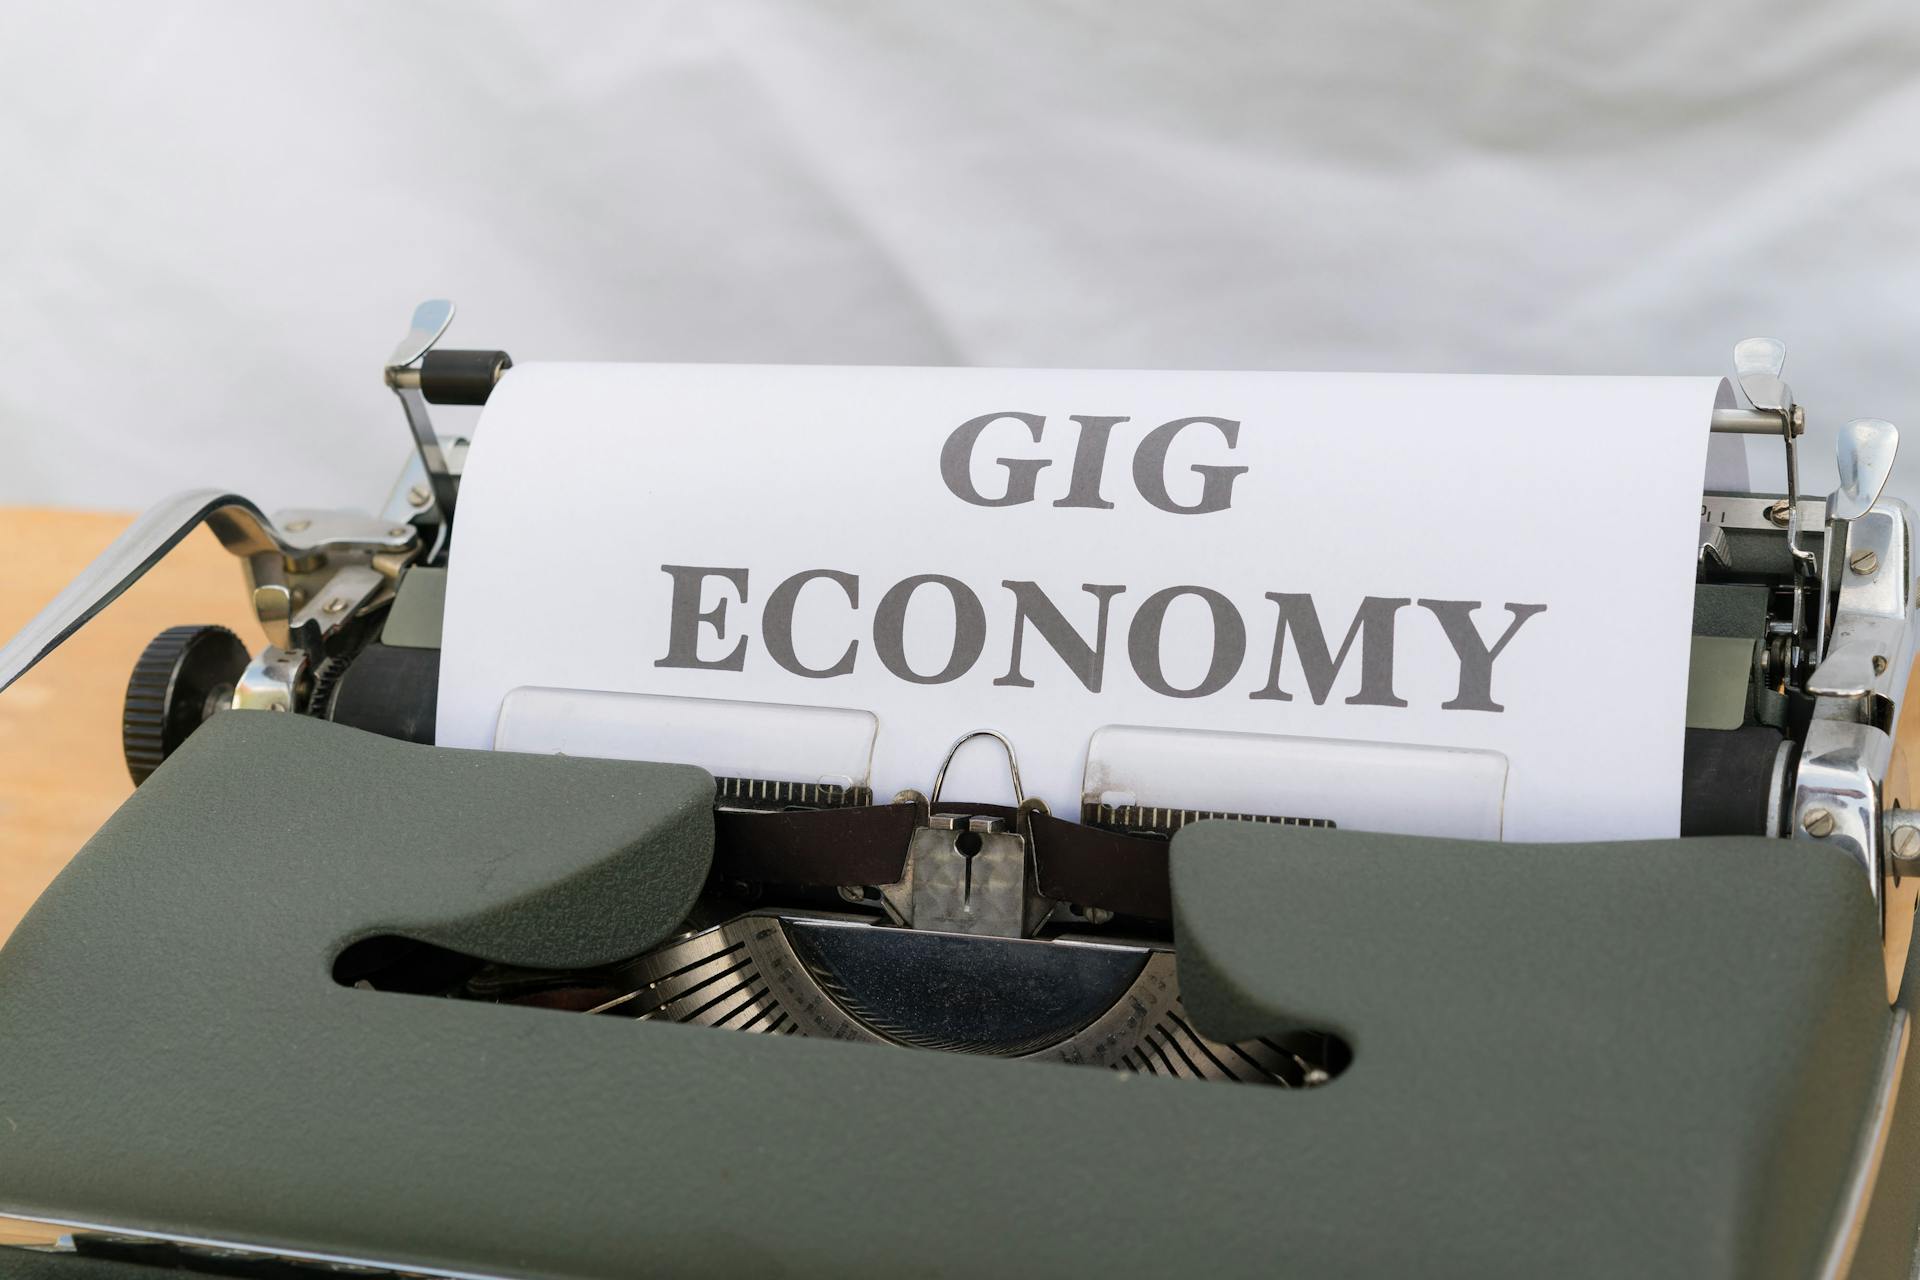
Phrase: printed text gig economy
(700, 635)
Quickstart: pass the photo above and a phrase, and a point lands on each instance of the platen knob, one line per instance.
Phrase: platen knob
(185, 675)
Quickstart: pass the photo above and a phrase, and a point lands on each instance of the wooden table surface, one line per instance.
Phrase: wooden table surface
(61, 771)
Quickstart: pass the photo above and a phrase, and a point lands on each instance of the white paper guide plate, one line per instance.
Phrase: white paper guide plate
(1357, 786)
(764, 741)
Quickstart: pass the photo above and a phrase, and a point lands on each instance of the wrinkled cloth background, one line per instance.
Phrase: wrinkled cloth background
(215, 218)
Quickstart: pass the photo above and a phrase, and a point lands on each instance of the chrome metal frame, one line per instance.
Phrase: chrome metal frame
(1849, 775)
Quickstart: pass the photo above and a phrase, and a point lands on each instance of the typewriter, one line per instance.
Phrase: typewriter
(323, 998)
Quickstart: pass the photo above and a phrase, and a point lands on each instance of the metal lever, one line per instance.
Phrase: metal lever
(1863, 457)
(1757, 363)
(242, 530)
(430, 321)
(421, 375)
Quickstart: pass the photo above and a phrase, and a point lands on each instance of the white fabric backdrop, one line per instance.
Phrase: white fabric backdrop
(216, 217)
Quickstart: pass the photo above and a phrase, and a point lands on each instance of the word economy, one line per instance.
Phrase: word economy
(826, 602)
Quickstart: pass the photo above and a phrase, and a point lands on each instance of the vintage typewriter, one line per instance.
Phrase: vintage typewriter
(323, 998)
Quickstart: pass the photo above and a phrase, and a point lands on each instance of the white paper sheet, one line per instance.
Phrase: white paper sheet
(839, 537)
